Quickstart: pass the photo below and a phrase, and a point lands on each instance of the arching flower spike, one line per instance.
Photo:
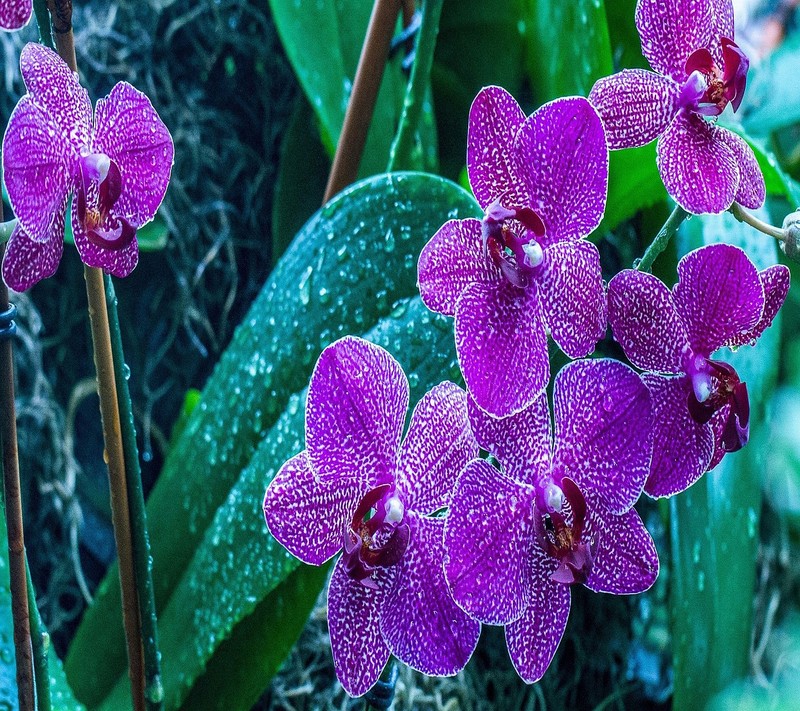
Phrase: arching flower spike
(524, 269)
(699, 70)
(116, 162)
(357, 489)
(701, 406)
(560, 511)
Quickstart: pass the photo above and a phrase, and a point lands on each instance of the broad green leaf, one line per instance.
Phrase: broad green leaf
(633, 184)
(323, 40)
(61, 695)
(237, 565)
(348, 267)
(568, 46)
(714, 524)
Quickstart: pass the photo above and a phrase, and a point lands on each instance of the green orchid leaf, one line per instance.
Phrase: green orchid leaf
(351, 265)
(221, 592)
(714, 524)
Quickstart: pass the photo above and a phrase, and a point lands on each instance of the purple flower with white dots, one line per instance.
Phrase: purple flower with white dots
(116, 161)
(15, 14)
(701, 406)
(524, 269)
(357, 488)
(699, 70)
(559, 513)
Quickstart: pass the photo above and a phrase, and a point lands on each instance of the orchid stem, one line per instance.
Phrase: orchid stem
(40, 641)
(61, 14)
(361, 106)
(744, 216)
(403, 144)
(381, 695)
(154, 691)
(659, 244)
(43, 21)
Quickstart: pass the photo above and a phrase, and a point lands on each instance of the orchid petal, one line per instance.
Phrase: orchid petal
(129, 131)
(354, 613)
(533, 638)
(453, 259)
(438, 445)
(493, 166)
(489, 539)
(752, 190)
(355, 411)
(698, 169)
(723, 18)
(307, 516)
(572, 296)
(15, 14)
(719, 296)
(119, 262)
(563, 148)
(717, 426)
(636, 106)
(603, 430)
(521, 442)
(27, 262)
(645, 322)
(421, 623)
(681, 447)
(775, 281)
(501, 346)
(626, 561)
(671, 31)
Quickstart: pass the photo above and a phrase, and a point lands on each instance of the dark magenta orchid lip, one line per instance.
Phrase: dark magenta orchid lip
(709, 89)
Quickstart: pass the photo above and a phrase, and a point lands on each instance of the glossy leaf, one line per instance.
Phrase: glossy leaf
(714, 524)
(351, 265)
(238, 565)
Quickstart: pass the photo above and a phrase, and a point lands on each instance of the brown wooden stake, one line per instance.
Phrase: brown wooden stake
(361, 106)
(61, 12)
(13, 502)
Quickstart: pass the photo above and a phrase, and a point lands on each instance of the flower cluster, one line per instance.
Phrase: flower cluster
(434, 538)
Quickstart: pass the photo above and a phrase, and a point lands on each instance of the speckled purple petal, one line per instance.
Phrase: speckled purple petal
(522, 442)
(501, 346)
(572, 296)
(129, 131)
(356, 407)
(489, 538)
(421, 623)
(603, 430)
(354, 613)
(698, 169)
(671, 30)
(775, 280)
(27, 262)
(644, 321)
(307, 516)
(453, 259)
(533, 639)
(438, 445)
(119, 262)
(626, 560)
(15, 14)
(55, 88)
(563, 148)
(723, 18)
(493, 166)
(636, 106)
(752, 191)
(36, 168)
(719, 295)
(681, 447)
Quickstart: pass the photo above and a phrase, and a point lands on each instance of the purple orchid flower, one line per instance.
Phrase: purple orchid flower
(15, 14)
(117, 163)
(357, 488)
(701, 406)
(560, 511)
(522, 270)
(699, 70)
